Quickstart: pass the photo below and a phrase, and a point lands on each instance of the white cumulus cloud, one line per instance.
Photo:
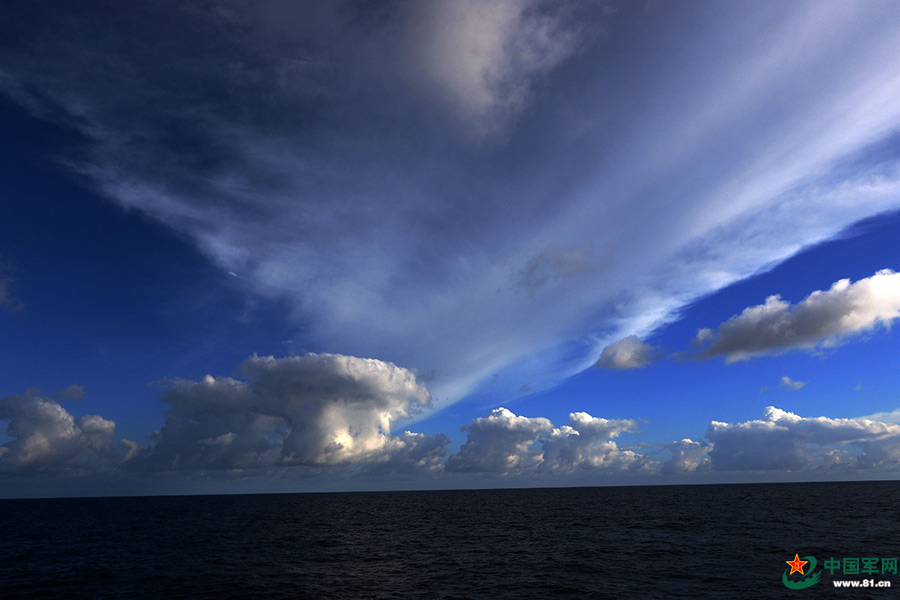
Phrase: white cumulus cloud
(500, 442)
(823, 319)
(782, 440)
(316, 410)
(687, 456)
(506, 443)
(46, 437)
(587, 442)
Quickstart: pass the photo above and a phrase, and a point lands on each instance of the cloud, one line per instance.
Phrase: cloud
(72, 392)
(552, 265)
(501, 442)
(47, 438)
(307, 147)
(509, 444)
(688, 456)
(791, 384)
(627, 353)
(885, 417)
(481, 58)
(785, 441)
(823, 319)
(7, 300)
(587, 443)
(333, 415)
(413, 453)
(313, 410)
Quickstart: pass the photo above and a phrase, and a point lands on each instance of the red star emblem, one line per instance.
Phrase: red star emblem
(796, 564)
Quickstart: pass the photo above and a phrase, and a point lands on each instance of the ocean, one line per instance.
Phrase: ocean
(705, 541)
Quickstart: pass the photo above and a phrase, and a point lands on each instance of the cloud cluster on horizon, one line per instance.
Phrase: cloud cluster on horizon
(401, 174)
(510, 444)
(46, 438)
(503, 442)
(312, 410)
(785, 441)
(332, 414)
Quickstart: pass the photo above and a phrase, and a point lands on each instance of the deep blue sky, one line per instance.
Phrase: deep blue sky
(362, 221)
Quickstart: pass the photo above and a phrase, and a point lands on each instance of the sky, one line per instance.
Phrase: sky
(305, 246)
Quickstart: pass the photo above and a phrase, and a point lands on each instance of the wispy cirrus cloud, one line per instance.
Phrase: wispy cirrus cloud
(399, 202)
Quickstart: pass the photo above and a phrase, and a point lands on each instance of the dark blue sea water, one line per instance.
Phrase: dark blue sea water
(727, 541)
